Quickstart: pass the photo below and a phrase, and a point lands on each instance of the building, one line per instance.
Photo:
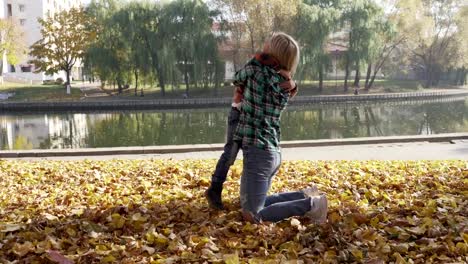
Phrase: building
(25, 13)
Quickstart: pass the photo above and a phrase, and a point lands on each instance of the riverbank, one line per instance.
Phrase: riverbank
(216, 102)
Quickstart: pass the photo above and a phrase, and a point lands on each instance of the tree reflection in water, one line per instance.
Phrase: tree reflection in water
(205, 126)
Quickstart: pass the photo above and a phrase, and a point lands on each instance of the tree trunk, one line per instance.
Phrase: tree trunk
(216, 77)
(119, 84)
(186, 78)
(136, 82)
(463, 76)
(252, 43)
(321, 78)
(368, 76)
(68, 77)
(428, 77)
(357, 78)
(161, 81)
(372, 79)
(346, 74)
(458, 76)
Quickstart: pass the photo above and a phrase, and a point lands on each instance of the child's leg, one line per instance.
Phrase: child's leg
(231, 149)
(228, 157)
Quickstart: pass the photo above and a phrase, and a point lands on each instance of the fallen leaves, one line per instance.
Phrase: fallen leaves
(154, 211)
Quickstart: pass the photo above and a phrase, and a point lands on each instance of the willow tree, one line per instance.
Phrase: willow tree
(317, 19)
(361, 16)
(65, 37)
(383, 40)
(108, 54)
(129, 22)
(189, 25)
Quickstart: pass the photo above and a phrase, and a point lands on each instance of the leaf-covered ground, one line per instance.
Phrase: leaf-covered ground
(153, 211)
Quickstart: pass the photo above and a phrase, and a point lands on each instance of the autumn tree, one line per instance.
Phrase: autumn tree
(65, 37)
(11, 42)
(435, 27)
(260, 17)
(459, 48)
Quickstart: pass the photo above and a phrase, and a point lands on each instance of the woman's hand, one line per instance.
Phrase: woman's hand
(289, 85)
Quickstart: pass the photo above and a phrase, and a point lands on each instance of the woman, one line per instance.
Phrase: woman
(258, 132)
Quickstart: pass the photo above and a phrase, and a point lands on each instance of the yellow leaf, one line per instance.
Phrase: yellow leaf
(465, 237)
(231, 258)
(139, 218)
(23, 249)
(357, 253)
(399, 258)
(335, 217)
(375, 222)
(109, 259)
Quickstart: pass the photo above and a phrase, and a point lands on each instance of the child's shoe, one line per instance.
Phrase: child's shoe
(311, 191)
(318, 209)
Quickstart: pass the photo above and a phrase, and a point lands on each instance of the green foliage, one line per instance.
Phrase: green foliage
(316, 20)
(65, 37)
(146, 41)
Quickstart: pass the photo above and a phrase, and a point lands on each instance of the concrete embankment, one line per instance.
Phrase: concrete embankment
(442, 138)
(217, 102)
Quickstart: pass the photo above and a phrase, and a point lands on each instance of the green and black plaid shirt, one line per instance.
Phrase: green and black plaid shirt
(264, 100)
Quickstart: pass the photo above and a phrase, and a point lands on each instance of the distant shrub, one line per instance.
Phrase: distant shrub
(48, 82)
(59, 81)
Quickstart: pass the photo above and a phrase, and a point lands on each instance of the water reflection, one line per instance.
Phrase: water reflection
(144, 128)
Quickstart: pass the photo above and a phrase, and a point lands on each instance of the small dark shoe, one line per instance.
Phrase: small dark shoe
(214, 199)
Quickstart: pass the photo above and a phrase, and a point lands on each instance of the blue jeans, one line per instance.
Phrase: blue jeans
(231, 148)
(259, 168)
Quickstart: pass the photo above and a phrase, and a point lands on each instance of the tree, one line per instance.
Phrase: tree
(384, 40)
(435, 30)
(65, 37)
(362, 18)
(316, 20)
(459, 48)
(11, 42)
(260, 17)
(189, 24)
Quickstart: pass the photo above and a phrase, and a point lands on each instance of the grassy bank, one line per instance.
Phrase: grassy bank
(154, 211)
(306, 88)
(58, 93)
(26, 92)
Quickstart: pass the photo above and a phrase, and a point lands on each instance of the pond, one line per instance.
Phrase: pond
(204, 126)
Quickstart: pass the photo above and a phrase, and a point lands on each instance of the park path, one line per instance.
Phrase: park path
(457, 149)
(92, 91)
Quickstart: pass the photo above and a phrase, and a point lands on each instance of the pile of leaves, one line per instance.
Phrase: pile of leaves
(154, 211)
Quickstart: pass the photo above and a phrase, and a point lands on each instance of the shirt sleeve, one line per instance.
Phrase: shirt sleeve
(242, 75)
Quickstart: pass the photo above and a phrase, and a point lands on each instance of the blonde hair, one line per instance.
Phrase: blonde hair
(285, 49)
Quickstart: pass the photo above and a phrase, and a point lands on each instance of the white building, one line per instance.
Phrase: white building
(26, 13)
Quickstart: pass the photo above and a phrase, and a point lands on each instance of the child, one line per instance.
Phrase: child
(231, 148)
(259, 131)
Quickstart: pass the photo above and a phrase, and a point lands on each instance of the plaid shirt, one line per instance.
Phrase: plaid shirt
(264, 100)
